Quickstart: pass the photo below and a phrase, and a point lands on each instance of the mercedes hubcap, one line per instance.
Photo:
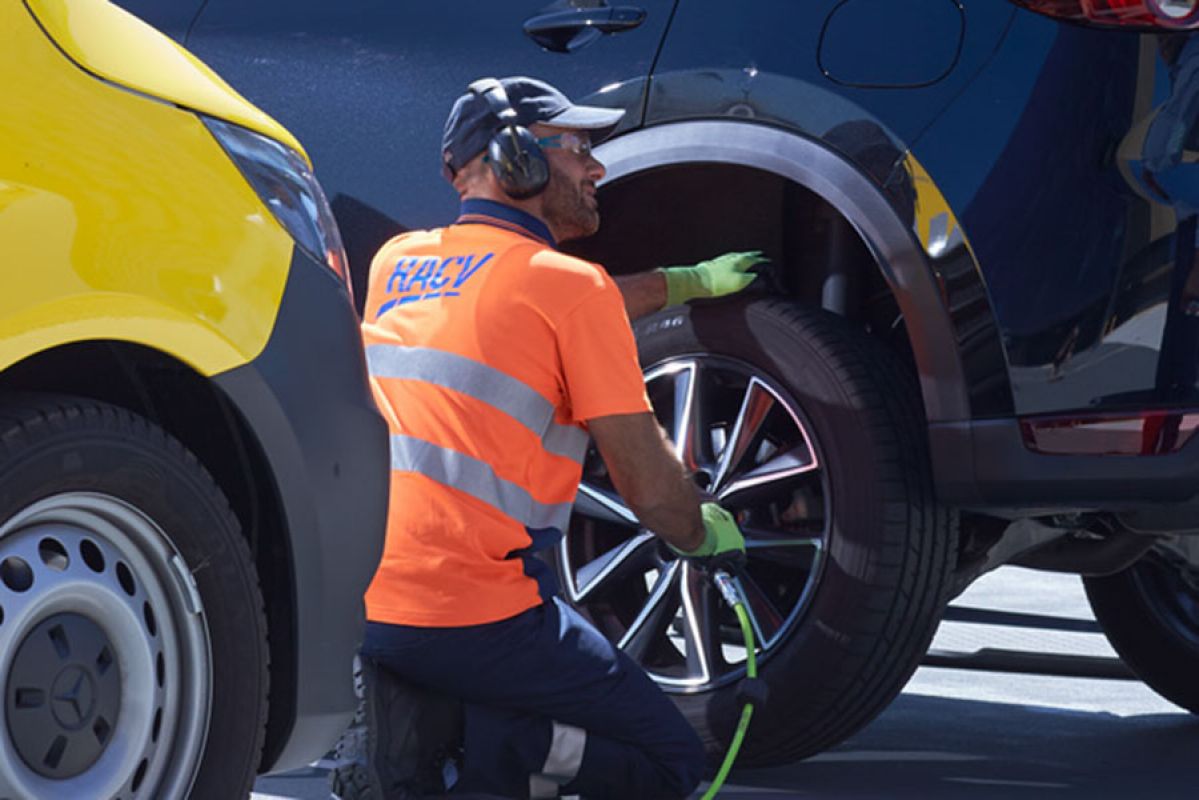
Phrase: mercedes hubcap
(64, 696)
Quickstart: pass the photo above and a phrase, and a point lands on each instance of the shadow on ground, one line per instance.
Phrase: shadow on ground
(938, 748)
(928, 747)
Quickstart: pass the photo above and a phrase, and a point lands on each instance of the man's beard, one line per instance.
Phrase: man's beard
(567, 210)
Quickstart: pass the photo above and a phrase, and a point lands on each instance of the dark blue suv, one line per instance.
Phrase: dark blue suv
(978, 343)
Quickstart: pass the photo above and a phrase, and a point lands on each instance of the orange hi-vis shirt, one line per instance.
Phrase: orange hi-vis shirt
(487, 350)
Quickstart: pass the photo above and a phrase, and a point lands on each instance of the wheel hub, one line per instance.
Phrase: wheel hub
(63, 696)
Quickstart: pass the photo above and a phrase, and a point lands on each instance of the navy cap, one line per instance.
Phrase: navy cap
(472, 120)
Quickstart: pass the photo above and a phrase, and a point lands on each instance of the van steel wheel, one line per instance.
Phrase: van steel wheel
(131, 627)
(812, 435)
(1150, 614)
(106, 598)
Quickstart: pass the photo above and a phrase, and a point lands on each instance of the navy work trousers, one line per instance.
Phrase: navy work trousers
(528, 684)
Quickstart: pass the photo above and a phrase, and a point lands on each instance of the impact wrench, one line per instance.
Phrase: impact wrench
(751, 692)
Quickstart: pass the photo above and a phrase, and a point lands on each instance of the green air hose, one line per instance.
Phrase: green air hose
(729, 592)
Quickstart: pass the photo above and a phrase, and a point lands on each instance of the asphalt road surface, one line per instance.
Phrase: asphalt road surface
(990, 723)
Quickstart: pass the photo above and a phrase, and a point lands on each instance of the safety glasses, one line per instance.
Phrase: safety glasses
(577, 143)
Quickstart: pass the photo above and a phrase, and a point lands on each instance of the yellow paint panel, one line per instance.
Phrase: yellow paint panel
(119, 47)
(122, 218)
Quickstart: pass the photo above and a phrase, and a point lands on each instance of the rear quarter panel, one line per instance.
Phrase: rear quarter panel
(1083, 257)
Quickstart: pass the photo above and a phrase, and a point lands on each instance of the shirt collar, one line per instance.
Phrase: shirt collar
(488, 212)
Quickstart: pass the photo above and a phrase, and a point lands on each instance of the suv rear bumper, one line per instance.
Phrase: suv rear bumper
(307, 399)
(986, 464)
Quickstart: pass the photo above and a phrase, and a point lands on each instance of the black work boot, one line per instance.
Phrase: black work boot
(400, 741)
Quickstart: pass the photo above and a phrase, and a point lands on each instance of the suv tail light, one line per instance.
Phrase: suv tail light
(1152, 14)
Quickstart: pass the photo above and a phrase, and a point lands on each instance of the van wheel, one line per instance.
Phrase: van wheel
(812, 435)
(1150, 614)
(132, 632)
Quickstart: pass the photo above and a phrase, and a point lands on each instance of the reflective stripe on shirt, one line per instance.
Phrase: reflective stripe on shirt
(477, 479)
(484, 383)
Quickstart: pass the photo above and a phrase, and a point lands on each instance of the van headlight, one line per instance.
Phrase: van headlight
(284, 182)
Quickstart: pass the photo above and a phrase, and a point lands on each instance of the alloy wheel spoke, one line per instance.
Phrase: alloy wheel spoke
(687, 416)
(775, 474)
(755, 407)
(764, 618)
(758, 539)
(701, 638)
(655, 616)
(607, 572)
(603, 504)
(796, 551)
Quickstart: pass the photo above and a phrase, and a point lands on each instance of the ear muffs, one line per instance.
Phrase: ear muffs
(513, 153)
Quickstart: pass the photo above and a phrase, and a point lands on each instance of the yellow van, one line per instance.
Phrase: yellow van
(192, 473)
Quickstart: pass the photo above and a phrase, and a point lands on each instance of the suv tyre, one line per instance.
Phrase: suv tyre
(121, 567)
(1150, 614)
(808, 431)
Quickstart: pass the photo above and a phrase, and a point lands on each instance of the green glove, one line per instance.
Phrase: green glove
(722, 275)
(722, 537)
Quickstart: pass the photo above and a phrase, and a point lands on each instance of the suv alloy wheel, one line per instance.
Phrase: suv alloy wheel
(805, 429)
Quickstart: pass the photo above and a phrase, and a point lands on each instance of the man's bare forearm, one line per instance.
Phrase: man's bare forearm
(667, 503)
(644, 292)
(649, 477)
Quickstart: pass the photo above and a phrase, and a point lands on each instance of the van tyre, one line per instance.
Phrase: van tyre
(1150, 615)
(827, 471)
(122, 570)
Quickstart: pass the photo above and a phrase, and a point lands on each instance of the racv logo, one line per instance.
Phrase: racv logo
(427, 277)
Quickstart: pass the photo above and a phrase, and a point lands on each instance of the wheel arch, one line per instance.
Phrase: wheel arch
(828, 175)
(168, 392)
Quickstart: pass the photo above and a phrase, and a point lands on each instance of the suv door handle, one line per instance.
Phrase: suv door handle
(568, 31)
